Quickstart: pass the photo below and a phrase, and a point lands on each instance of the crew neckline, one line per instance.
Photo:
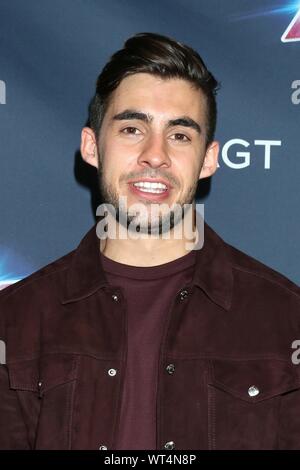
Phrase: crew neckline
(148, 272)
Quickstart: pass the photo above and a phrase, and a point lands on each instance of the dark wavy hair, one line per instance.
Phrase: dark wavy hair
(160, 56)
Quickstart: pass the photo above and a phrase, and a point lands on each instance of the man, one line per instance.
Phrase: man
(151, 341)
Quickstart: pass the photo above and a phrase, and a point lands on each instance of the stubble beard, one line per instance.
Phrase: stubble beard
(158, 224)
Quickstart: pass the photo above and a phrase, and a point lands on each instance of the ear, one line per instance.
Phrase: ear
(88, 147)
(210, 162)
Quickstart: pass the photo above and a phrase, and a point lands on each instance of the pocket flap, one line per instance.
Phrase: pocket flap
(42, 374)
(255, 380)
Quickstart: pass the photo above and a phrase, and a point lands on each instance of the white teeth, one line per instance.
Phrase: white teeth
(150, 187)
(147, 190)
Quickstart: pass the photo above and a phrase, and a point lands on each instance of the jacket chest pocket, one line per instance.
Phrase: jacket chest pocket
(45, 388)
(244, 402)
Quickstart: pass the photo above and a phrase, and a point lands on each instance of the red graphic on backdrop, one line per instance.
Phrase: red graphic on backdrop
(292, 32)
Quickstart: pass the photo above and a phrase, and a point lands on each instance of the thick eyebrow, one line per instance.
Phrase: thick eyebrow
(129, 114)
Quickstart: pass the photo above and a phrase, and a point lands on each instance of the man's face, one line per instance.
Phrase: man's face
(146, 157)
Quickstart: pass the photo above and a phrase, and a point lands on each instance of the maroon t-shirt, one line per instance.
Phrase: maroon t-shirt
(149, 292)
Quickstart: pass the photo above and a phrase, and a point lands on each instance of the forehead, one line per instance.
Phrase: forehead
(158, 96)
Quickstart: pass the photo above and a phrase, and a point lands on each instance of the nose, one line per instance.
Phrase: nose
(154, 154)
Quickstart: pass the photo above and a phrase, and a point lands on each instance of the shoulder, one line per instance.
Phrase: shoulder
(45, 274)
(254, 271)
(22, 302)
(269, 299)
(248, 271)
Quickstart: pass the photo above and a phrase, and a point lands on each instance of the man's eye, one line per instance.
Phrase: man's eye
(181, 136)
(130, 130)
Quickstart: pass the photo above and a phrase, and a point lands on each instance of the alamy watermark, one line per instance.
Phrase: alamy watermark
(2, 352)
(142, 221)
(296, 353)
(2, 92)
(295, 96)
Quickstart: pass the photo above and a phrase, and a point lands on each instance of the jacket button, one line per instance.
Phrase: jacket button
(102, 448)
(115, 297)
(183, 294)
(169, 445)
(253, 391)
(170, 368)
(40, 384)
(112, 372)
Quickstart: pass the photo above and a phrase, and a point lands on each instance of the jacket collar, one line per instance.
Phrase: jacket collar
(213, 272)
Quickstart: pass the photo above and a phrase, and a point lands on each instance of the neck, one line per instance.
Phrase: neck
(151, 250)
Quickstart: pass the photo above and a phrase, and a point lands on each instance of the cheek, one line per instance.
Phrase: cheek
(119, 155)
(188, 169)
(115, 167)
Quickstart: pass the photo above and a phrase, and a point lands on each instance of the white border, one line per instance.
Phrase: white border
(283, 37)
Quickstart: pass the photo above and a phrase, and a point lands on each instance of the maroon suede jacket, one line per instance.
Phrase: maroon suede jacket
(226, 377)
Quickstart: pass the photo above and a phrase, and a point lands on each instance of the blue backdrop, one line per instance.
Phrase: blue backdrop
(50, 55)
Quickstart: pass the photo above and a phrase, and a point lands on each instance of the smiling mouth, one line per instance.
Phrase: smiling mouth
(148, 187)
